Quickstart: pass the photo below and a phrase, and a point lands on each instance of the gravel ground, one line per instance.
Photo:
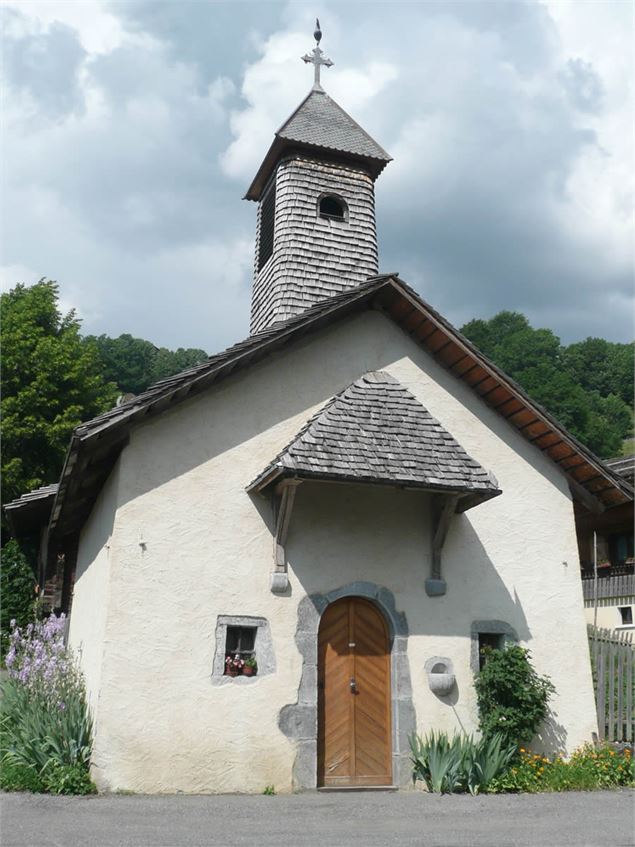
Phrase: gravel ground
(596, 819)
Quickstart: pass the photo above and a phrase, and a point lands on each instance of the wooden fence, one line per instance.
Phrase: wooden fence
(613, 664)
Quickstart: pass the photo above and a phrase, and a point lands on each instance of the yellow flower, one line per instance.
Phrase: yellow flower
(540, 770)
(611, 752)
(546, 760)
(522, 750)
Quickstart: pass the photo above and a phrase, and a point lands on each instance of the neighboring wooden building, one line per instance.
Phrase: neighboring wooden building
(610, 603)
(354, 497)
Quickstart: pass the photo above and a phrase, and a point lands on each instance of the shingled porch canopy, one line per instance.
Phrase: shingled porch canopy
(376, 432)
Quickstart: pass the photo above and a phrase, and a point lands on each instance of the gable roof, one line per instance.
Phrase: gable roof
(96, 444)
(320, 124)
(377, 431)
(31, 510)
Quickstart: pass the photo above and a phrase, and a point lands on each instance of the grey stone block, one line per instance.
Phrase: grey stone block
(305, 766)
(299, 721)
(435, 587)
(279, 582)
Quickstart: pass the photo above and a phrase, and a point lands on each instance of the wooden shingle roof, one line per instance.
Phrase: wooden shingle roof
(377, 431)
(320, 124)
(95, 445)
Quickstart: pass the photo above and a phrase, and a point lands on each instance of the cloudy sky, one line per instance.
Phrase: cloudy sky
(132, 130)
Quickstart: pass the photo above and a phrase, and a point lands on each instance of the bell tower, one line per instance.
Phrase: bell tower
(315, 189)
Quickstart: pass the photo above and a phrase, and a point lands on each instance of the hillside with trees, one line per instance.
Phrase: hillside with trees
(586, 386)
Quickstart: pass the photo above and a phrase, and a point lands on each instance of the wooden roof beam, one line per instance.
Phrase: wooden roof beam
(282, 502)
(443, 507)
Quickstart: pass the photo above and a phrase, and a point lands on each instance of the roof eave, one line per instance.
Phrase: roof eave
(394, 298)
(265, 485)
(281, 145)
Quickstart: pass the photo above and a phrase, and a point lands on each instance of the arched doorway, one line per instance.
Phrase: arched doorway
(354, 697)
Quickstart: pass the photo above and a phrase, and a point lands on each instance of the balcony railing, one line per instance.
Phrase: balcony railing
(616, 581)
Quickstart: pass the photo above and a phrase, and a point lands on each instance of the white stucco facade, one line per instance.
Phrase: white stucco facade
(174, 542)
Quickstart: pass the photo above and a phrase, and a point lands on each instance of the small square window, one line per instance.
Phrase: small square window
(244, 648)
(491, 641)
(626, 613)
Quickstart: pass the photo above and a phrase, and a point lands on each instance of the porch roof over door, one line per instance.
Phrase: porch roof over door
(376, 431)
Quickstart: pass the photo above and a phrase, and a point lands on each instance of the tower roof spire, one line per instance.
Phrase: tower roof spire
(316, 57)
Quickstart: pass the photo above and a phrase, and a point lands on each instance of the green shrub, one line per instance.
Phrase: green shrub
(588, 768)
(17, 589)
(451, 765)
(512, 698)
(34, 733)
(14, 777)
(67, 779)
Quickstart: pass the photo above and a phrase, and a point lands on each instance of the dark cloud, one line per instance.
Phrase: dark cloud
(208, 35)
(45, 65)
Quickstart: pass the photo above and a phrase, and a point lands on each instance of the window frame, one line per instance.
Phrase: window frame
(263, 650)
(506, 632)
(330, 195)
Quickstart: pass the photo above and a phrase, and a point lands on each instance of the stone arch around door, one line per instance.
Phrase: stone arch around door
(299, 721)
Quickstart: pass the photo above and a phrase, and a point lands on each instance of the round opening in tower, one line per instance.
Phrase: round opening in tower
(332, 208)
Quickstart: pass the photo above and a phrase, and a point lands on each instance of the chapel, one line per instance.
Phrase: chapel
(283, 561)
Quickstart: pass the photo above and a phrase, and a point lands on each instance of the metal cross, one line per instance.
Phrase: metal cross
(315, 57)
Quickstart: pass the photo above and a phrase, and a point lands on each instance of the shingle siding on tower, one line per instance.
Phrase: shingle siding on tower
(314, 258)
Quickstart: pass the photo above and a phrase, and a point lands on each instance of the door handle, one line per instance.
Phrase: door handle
(353, 685)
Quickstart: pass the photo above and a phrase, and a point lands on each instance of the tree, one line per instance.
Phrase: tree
(168, 362)
(126, 361)
(134, 364)
(583, 386)
(51, 382)
(17, 586)
(602, 366)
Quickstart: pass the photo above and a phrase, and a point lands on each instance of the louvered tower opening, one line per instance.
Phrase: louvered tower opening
(267, 226)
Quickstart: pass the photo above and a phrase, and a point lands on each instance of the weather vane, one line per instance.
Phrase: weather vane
(315, 57)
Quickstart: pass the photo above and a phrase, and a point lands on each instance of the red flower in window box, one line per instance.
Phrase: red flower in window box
(234, 665)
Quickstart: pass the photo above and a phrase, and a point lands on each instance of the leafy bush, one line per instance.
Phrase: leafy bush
(512, 698)
(68, 779)
(588, 768)
(451, 765)
(17, 589)
(45, 723)
(19, 778)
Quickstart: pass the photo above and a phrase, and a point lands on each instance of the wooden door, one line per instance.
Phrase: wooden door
(354, 723)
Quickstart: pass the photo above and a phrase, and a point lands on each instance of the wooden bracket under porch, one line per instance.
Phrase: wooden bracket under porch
(282, 502)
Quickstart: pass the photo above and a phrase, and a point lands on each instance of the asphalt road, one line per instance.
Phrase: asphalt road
(597, 819)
